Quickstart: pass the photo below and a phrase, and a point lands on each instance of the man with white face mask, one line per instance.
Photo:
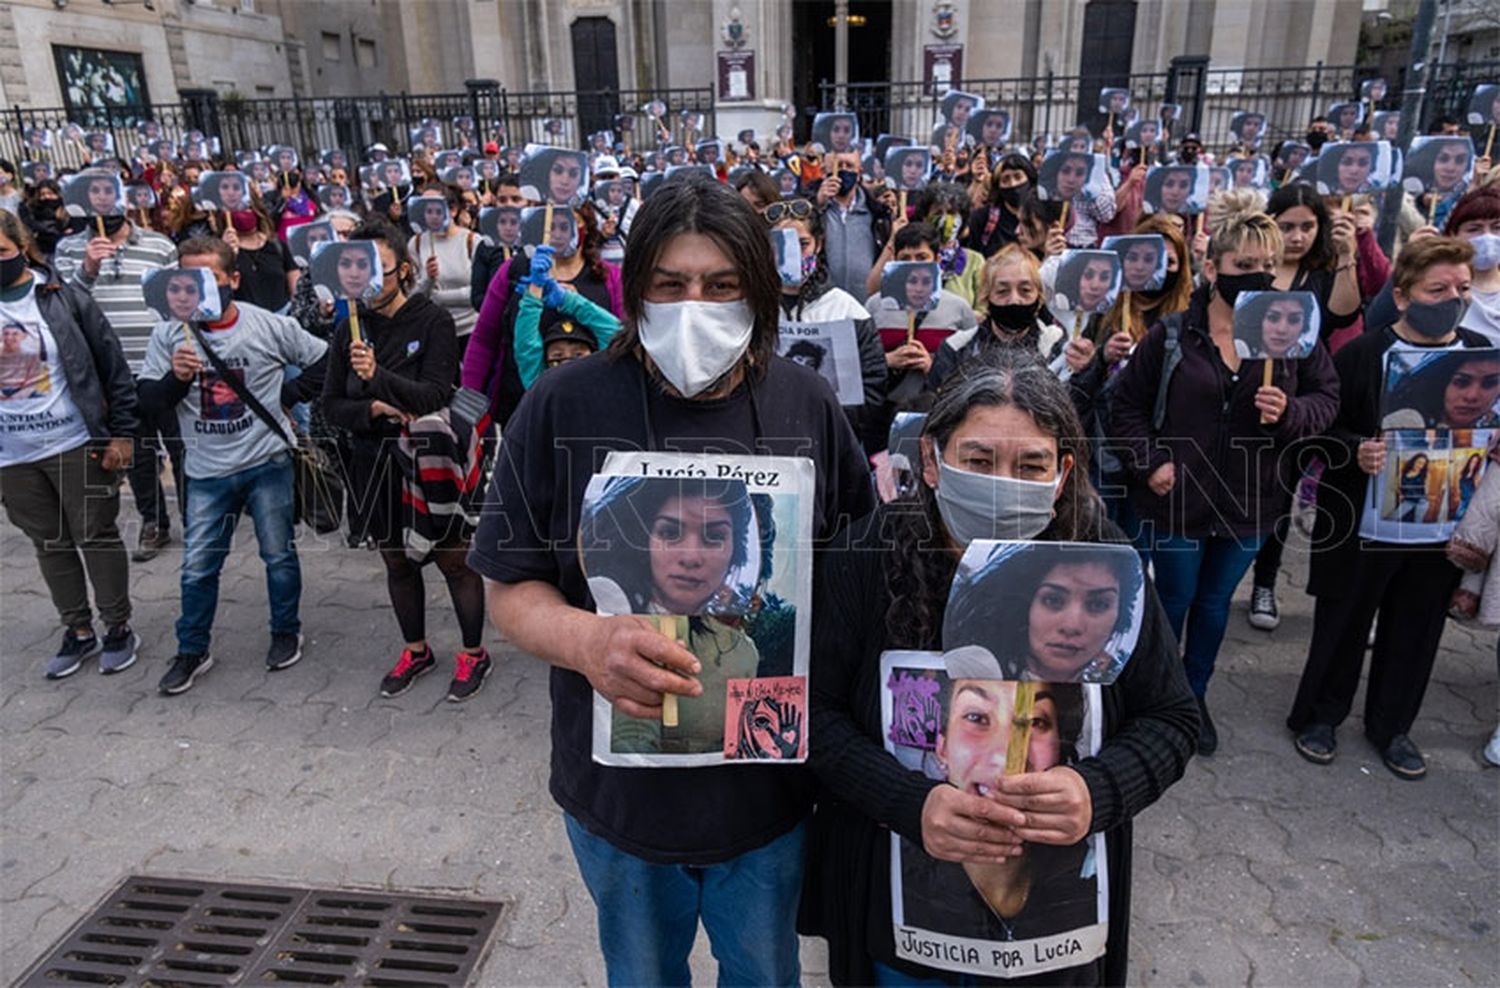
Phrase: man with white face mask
(693, 369)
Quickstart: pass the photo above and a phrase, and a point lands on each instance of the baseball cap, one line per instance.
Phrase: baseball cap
(555, 326)
(606, 164)
(491, 147)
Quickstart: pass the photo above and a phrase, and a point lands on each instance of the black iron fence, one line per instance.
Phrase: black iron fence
(1209, 98)
(71, 138)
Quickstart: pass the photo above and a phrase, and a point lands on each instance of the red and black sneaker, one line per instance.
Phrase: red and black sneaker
(399, 679)
(469, 676)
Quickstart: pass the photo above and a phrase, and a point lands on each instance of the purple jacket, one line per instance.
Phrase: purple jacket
(1234, 476)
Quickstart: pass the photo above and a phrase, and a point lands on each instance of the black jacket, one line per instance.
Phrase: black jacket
(99, 379)
(487, 261)
(872, 369)
(416, 361)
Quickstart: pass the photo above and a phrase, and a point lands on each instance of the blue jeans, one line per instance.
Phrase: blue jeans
(888, 977)
(1195, 579)
(648, 913)
(213, 510)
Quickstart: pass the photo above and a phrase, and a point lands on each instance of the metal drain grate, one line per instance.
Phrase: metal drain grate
(172, 933)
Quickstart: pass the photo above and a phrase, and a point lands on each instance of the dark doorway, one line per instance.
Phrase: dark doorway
(869, 61)
(596, 74)
(1108, 43)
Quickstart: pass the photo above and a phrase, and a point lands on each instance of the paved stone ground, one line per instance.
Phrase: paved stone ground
(1257, 869)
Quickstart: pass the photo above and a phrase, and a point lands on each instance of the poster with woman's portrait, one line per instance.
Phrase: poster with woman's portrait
(1246, 128)
(335, 158)
(1087, 282)
(428, 134)
(1387, 125)
(871, 168)
(283, 158)
(332, 196)
(1445, 389)
(1275, 325)
(885, 142)
(303, 239)
(989, 128)
(501, 225)
(443, 160)
(36, 139)
(428, 213)
(1144, 133)
(911, 286)
(1066, 174)
(1058, 612)
(1372, 90)
(140, 195)
(1345, 117)
(1114, 102)
(1143, 260)
(1484, 106)
(836, 132)
(1180, 189)
(94, 192)
(1352, 167)
(37, 170)
(1253, 172)
(1443, 165)
(562, 236)
(392, 174)
(99, 144)
(958, 108)
(1292, 155)
(552, 174)
(218, 191)
(715, 551)
(1413, 487)
(906, 169)
(182, 294)
(788, 248)
(831, 349)
(953, 717)
(709, 152)
(346, 269)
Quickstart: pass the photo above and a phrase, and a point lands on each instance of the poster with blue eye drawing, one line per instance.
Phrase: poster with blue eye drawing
(715, 551)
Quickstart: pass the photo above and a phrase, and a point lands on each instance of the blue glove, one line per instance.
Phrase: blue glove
(553, 294)
(541, 263)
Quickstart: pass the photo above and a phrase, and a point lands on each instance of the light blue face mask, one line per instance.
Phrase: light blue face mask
(981, 506)
(1486, 251)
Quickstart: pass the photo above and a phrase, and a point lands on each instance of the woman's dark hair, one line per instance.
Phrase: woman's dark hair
(1419, 460)
(922, 562)
(1479, 203)
(696, 203)
(1011, 162)
(762, 185)
(624, 517)
(590, 240)
(976, 604)
(1425, 388)
(1321, 255)
(808, 349)
(381, 231)
(1256, 305)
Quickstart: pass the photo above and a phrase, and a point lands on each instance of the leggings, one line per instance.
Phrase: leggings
(403, 578)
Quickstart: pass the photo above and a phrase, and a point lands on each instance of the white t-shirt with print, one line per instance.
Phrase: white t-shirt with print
(37, 416)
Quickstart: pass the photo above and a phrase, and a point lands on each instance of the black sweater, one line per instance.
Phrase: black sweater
(416, 361)
(1150, 731)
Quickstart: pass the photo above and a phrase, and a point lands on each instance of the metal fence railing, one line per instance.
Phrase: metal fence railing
(75, 137)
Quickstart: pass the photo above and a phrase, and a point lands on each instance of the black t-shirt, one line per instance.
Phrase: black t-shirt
(559, 436)
(263, 275)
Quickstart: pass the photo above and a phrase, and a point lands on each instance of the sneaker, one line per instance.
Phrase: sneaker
(1492, 750)
(469, 676)
(185, 670)
(153, 540)
(1404, 758)
(285, 650)
(1317, 744)
(1263, 612)
(71, 655)
(410, 666)
(120, 645)
(1208, 735)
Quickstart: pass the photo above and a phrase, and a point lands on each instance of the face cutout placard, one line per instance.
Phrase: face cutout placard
(347, 269)
(182, 294)
(911, 286)
(1275, 325)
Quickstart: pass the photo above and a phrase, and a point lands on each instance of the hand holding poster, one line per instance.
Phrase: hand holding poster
(713, 548)
(1143, 260)
(553, 174)
(182, 294)
(94, 193)
(831, 349)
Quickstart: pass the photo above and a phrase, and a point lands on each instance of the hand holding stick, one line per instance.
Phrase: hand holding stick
(1265, 382)
(911, 326)
(354, 334)
(667, 625)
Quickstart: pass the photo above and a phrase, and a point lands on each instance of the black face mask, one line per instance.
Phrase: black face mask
(112, 225)
(11, 268)
(1316, 139)
(846, 181)
(1187, 156)
(1015, 318)
(1229, 286)
(1167, 284)
(1016, 194)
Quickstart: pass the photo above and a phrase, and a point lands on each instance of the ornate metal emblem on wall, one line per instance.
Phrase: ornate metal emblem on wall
(734, 32)
(944, 19)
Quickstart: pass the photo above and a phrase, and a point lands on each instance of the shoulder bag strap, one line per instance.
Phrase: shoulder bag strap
(238, 386)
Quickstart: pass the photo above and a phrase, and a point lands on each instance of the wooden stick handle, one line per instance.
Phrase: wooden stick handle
(1077, 324)
(1432, 202)
(911, 326)
(99, 225)
(668, 627)
(901, 204)
(547, 222)
(354, 334)
(1020, 729)
(1489, 141)
(1063, 219)
(1265, 382)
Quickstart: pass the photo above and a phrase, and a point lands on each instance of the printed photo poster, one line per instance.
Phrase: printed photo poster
(611, 196)
(94, 192)
(1114, 102)
(871, 167)
(1345, 117)
(428, 214)
(1144, 133)
(1438, 410)
(717, 550)
(332, 196)
(1387, 125)
(140, 195)
(220, 191)
(37, 170)
(283, 158)
(35, 140)
(443, 160)
(1351, 167)
(1484, 106)
(1087, 282)
(989, 128)
(563, 234)
(1275, 325)
(911, 286)
(1253, 172)
(1181, 189)
(1443, 165)
(903, 455)
(1066, 174)
(461, 176)
(501, 225)
(1373, 90)
(906, 169)
(182, 294)
(954, 719)
(346, 269)
(831, 349)
(709, 152)
(885, 142)
(1246, 128)
(1292, 155)
(391, 174)
(334, 158)
(836, 132)
(301, 239)
(554, 174)
(788, 248)
(1143, 260)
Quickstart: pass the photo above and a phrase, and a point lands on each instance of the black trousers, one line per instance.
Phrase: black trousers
(144, 475)
(1409, 588)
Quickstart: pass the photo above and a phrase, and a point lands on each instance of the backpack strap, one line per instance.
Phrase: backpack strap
(1171, 357)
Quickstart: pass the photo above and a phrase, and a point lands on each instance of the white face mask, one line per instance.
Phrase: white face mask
(979, 506)
(694, 343)
(1486, 251)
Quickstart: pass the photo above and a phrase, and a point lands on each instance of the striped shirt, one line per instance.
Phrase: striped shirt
(117, 289)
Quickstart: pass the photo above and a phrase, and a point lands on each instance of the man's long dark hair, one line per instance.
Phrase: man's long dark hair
(922, 564)
(694, 203)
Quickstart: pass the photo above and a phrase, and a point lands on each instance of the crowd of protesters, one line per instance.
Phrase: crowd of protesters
(653, 325)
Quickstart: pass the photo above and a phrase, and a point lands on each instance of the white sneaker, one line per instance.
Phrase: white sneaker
(1492, 750)
(1263, 612)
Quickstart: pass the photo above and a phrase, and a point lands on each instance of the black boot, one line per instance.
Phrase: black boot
(1208, 735)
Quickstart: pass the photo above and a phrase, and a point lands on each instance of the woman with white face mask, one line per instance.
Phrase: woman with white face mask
(1003, 457)
(694, 368)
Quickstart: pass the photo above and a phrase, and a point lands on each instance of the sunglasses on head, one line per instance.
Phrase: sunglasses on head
(797, 209)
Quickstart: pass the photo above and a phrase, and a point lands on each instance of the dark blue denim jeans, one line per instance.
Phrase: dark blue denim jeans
(1195, 579)
(214, 505)
(648, 913)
